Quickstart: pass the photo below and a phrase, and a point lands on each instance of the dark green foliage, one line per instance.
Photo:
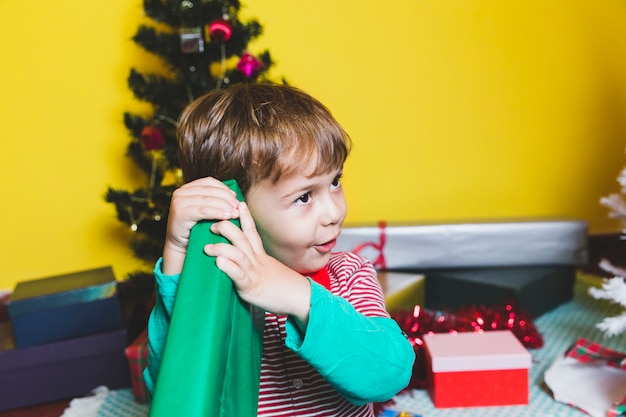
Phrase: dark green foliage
(183, 77)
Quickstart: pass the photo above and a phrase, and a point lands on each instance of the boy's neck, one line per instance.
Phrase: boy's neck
(321, 277)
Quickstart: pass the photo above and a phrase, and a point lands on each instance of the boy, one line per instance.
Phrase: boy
(329, 346)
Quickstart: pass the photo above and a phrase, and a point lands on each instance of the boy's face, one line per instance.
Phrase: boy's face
(299, 218)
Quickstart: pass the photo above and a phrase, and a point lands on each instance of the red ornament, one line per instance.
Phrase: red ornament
(220, 30)
(249, 65)
(152, 138)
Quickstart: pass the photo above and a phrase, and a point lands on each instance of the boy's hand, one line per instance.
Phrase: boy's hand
(201, 199)
(259, 278)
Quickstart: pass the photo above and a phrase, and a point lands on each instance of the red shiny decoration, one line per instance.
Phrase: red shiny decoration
(249, 65)
(220, 30)
(152, 138)
(417, 322)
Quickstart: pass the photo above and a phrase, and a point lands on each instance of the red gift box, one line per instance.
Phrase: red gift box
(476, 369)
(137, 355)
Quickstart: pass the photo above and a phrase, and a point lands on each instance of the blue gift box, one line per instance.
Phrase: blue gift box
(61, 370)
(64, 307)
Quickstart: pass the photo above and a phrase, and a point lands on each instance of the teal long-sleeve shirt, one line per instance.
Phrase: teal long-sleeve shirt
(366, 359)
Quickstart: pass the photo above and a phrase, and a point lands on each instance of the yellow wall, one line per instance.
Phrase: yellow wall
(460, 111)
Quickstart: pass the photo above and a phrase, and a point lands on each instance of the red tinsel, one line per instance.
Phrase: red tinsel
(152, 138)
(418, 322)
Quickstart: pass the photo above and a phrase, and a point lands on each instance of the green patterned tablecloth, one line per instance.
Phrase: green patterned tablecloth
(121, 403)
(560, 328)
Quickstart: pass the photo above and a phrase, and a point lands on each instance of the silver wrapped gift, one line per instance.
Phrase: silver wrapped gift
(469, 244)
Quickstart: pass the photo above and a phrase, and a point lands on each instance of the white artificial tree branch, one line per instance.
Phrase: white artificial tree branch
(613, 289)
(621, 179)
(617, 205)
(612, 326)
(612, 269)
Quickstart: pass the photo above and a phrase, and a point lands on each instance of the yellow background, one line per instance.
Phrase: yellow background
(459, 110)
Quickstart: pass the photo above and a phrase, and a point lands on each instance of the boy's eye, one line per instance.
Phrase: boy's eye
(304, 198)
(336, 181)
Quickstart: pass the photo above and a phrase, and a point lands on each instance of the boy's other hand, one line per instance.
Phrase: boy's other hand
(201, 199)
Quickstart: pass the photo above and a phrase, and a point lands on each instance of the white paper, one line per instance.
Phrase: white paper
(87, 406)
(591, 386)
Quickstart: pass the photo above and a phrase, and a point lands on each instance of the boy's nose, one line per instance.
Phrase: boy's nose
(334, 210)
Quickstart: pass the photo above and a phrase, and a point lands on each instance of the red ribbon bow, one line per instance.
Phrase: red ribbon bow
(379, 262)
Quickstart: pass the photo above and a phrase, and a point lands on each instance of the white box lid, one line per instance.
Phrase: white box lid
(468, 351)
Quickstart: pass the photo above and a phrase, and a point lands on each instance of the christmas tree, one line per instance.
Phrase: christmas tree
(614, 289)
(203, 46)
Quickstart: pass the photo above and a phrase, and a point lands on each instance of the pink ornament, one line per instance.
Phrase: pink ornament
(249, 65)
(220, 30)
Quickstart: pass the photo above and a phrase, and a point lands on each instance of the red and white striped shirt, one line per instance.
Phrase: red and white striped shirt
(289, 386)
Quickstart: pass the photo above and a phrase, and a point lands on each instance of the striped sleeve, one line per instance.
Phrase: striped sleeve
(350, 328)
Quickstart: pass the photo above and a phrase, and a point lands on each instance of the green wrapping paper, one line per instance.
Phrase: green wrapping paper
(211, 362)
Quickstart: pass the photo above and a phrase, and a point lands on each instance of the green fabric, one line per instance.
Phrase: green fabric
(325, 345)
(211, 363)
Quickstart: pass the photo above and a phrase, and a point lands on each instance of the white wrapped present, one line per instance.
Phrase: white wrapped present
(469, 244)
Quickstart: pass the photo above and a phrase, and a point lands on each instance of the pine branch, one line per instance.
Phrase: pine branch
(136, 153)
(134, 124)
(163, 11)
(148, 249)
(164, 45)
(154, 88)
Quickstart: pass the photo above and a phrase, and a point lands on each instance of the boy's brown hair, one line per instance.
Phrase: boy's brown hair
(251, 132)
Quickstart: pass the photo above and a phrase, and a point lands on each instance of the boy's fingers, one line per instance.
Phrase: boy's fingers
(249, 227)
(208, 188)
(233, 234)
